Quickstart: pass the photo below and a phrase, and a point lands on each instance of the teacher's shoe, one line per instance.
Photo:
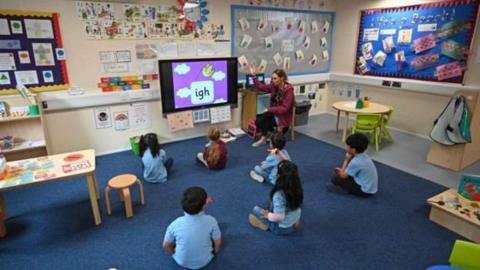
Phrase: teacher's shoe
(258, 143)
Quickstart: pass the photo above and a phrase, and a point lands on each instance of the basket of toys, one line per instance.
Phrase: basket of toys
(6, 143)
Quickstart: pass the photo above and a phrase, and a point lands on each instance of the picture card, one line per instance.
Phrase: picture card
(26, 77)
(16, 27)
(47, 76)
(43, 54)
(277, 58)
(39, 29)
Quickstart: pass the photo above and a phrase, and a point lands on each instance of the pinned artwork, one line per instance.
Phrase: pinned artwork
(313, 27)
(263, 66)
(299, 55)
(39, 29)
(262, 25)
(404, 36)
(60, 53)
(424, 43)
(379, 58)
(306, 42)
(4, 29)
(425, 61)
(47, 76)
(103, 117)
(268, 43)
(244, 24)
(323, 42)
(278, 59)
(243, 62)
(454, 50)
(400, 60)
(275, 26)
(450, 70)
(43, 54)
(247, 39)
(289, 23)
(286, 63)
(26, 77)
(16, 27)
(121, 120)
(313, 60)
(326, 27)
(362, 66)
(388, 44)
(4, 78)
(301, 26)
(325, 56)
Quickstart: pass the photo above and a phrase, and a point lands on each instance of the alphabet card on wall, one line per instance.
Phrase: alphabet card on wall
(180, 120)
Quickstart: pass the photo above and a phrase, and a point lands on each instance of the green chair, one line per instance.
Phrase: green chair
(368, 123)
(465, 255)
(385, 129)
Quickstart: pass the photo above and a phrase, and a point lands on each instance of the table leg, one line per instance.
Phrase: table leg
(345, 128)
(3, 216)
(92, 190)
(338, 120)
(96, 186)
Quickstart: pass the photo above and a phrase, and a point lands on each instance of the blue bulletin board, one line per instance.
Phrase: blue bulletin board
(424, 42)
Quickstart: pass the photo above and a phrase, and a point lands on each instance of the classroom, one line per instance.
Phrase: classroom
(240, 134)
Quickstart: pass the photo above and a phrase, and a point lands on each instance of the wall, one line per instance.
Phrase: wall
(75, 129)
(414, 111)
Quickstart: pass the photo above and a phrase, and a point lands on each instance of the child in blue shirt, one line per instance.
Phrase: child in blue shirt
(358, 174)
(156, 165)
(268, 168)
(286, 197)
(193, 240)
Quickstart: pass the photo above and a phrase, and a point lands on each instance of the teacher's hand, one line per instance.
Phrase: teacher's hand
(253, 69)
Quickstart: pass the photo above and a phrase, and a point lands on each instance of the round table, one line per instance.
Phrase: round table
(349, 107)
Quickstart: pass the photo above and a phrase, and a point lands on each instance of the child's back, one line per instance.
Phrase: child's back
(154, 169)
(193, 239)
(193, 236)
(216, 155)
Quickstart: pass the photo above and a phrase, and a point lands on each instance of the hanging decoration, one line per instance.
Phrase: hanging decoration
(193, 14)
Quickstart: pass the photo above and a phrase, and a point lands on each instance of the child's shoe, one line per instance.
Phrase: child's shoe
(258, 143)
(257, 223)
(336, 189)
(256, 177)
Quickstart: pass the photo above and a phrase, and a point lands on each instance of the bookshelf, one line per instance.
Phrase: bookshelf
(28, 132)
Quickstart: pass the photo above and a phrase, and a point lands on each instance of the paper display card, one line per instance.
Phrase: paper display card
(220, 114)
(244, 25)
(123, 56)
(243, 62)
(103, 117)
(7, 61)
(146, 51)
(39, 29)
(246, 40)
(314, 27)
(60, 53)
(4, 29)
(139, 116)
(268, 43)
(371, 34)
(43, 54)
(288, 45)
(180, 120)
(262, 66)
(4, 78)
(278, 59)
(205, 48)
(168, 50)
(26, 77)
(16, 27)
(115, 67)
(10, 44)
(107, 57)
(120, 120)
(47, 76)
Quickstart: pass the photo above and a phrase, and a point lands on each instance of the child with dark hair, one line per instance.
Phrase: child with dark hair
(276, 153)
(215, 155)
(156, 165)
(193, 239)
(358, 174)
(286, 198)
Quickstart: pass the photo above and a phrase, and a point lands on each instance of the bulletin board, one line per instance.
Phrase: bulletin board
(298, 41)
(31, 51)
(428, 42)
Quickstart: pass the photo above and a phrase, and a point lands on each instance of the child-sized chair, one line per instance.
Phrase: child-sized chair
(385, 129)
(368, 123)
(123, 183)
(465, 255)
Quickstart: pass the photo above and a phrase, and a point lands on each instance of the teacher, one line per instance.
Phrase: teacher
(282, 99)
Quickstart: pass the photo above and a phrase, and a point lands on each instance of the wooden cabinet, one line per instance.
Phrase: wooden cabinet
(253, 103)
(28, 132)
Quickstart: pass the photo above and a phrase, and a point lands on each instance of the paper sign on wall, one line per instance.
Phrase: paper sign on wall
(220, 114)
(120, 120)
(7, 61)
(102, 117)
(39, 28)
(139, 116)
(180, 120)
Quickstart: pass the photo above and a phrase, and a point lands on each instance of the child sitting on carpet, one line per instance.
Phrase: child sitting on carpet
(193, 239)
(268, 168)
(215, 155)
(358, 174)
(156, 165)
(286, 197)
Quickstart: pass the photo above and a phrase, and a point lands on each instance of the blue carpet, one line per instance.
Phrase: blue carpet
(51, 226)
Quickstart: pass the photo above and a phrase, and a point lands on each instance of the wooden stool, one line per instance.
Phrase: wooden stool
(123, 183)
